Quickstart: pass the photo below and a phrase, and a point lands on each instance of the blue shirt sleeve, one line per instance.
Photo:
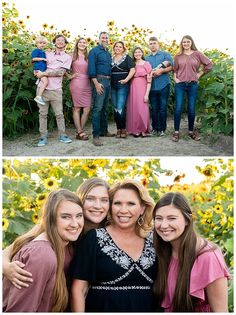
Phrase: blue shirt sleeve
(92, 71)
(169, 58)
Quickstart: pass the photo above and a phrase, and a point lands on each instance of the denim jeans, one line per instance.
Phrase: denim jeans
(159, 102)
(119, 97)
(190, 89)
(100, 104)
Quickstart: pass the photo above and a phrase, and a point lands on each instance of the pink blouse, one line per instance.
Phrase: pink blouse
(207, 268)
(187, 66)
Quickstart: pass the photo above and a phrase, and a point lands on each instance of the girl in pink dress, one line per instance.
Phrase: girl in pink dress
(80, 88)
(138, 117)
(192, 274)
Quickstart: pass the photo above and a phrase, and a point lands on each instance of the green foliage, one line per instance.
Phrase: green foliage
(20, 112)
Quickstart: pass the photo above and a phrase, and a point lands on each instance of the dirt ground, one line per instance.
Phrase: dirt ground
(26, 145)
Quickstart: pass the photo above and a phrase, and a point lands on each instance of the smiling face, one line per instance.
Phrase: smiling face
(186, 43)
(104, 40)
(138, 54)
(126, 208)
(96, 205)
(82, 44)
(119, 49)
(169, 223)
(60, 43)
(70, 221)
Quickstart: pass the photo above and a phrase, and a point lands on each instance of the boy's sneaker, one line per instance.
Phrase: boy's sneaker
(154, 132)
(39, 100)
(65, 139)
(162, 134)
(42, 142)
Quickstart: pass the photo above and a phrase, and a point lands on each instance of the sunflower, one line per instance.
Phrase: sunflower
(41, 198)
(50, 183)
(5, 224)
(45, 25)
(35, 218)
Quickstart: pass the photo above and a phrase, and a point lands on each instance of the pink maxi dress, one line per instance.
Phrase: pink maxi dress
(80, 86)
(138, 116)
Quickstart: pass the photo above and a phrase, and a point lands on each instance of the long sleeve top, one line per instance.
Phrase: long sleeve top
(99, 62)
(186, 66)
(39, 259)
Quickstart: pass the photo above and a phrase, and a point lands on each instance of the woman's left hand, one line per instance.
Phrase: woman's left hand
(145, 98)
(122, 81)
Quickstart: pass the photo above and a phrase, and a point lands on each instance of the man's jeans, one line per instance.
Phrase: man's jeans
(100, 104)
(159, 103)
(191, 90)
(119, 98)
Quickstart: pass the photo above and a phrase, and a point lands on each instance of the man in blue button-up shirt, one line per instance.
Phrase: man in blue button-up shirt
(99, 71)
(161, 63)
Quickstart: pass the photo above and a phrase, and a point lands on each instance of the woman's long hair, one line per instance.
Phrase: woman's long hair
(75, 55)
(49, 226)
(187, 253)
(145, 200)
(193, 46)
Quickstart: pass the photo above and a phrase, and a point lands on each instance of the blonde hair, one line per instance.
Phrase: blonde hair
(48, 225)
(145, 200)
(41, 38)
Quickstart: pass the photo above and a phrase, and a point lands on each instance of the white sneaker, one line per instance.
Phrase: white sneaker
(39, 100)
(162, 133)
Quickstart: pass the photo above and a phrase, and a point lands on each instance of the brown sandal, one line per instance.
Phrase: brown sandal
(123, 133)
(175, 137)
(118, 134)
(194, 135)
(81, 136)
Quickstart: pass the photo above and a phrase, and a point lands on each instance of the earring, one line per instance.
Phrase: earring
(140, 220)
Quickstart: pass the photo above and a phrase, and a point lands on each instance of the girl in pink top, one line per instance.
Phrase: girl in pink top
(192, 274)
(42, 251)
(80, 88)
(189, 66)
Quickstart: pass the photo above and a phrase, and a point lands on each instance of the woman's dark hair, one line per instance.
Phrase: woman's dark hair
(187, 253)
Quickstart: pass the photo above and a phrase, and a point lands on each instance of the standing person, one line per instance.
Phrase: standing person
(99, 71)
(58, 63)
(192, 274)
(122, 70)
(94, 195)
(40, 63)
(138, 117)
(189, 65)
(161, 62)
(80, 88)
(42, 250)
(115, 266)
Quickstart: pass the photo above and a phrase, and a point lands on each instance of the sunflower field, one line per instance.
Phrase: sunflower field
(20, 112)
(27, 182)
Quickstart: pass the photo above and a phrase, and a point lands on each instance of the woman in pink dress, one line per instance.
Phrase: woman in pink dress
(80, 88)
(138, 117)
(192, 274)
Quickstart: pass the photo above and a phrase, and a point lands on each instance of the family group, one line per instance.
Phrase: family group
(112, 249)
(132, 81)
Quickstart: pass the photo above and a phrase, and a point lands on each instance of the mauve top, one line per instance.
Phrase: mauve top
(207, 268)
(39, 259)
(187, 66)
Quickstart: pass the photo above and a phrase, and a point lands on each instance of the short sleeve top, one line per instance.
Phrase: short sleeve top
(120, 70)
(39, 65)
(39, 259)
(210, 264)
